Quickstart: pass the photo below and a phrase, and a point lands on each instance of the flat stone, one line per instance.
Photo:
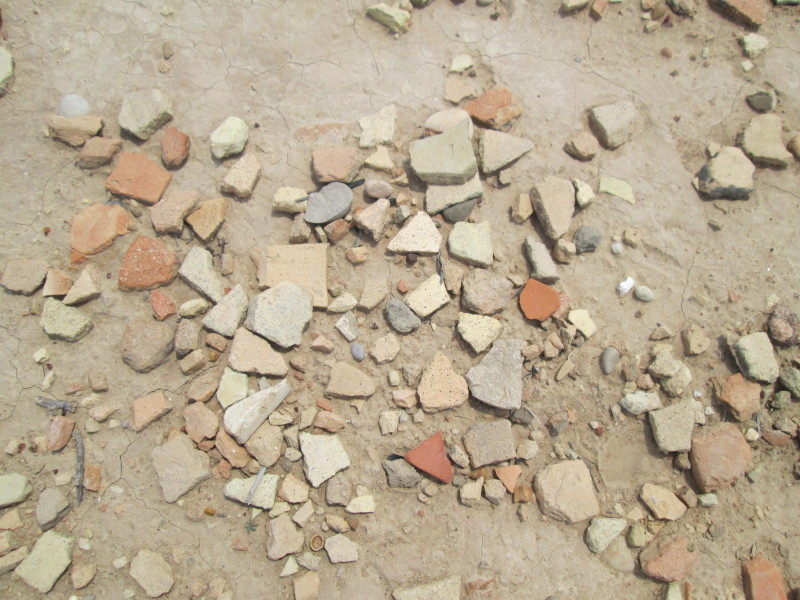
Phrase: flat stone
(489, 443)
(616, 187)
(361, 505)
(784, 326)
(203, 387)
(478, 331)
(583, 322)
(400, 474)
(14, 488)
(443, 589)
(542, 266)
(207, 219)
(323, 457)
(179, 467)
(790, 379)
(243, 418)
(290, 200)
(152, 572)
(472, 243)
(667, 559)
(401, 318)
(284, 538)
(521, 208)
(673, 426)
(232, 387)
(755, 356)
(469, 494)
(375, 290)
(146, 344)
(174, 148)
(137, 176)
(762, 142)
(337, 163)
(148, 409)
(742, 397)
(263, 497)
(494, 108)
(484, 292)
(380, 160)
(762, 100)
(374, 218)
(47, 562)
(727, 175)
(639, 403)
(584, 195)
(226, 317)
(24, 275)
(265, 444)
(147, 264)
(565, 492)
(441, 388)
(439, 198)
(6, 71)
(300, 231)
(192, 362)
(143, 112)
(230, 450)
(329, 421)
(719, 455)
(293, 490)
(10, 561)
(378, 128)
(348, 382)
(332, 202)
(348, 326)
(63, 322)
(85, 288)
(428, 297)
(303, 264)
(74, 131)
(395, 19)
(496, 380)
(59, 433)
(430, 457)
(342, 303)
(253, 354)
(385, 349)
(162, 306)
(617, 123)
(538, 301)
(419, 235)
(306, 586)
(752, 13)
(167, 215)
(280, 314)
(201, 423)
(602, 531)
(443, 120)
(554, 203)
(95, 228)
(498, 150)
(341, 549)
(242, 177)
(662, 503)
(81, 574)
(197, 270)
(376, 188)
(187, 337)
(459, 212)
(229, 138)
(444, 159)
(762, 580)
(583, 145)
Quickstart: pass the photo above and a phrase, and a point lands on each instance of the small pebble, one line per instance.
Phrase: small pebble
(357, 350)
(623, 287)
(411, 258)
(608, 360)
(616, 248)
(644, 294)
(73, 105)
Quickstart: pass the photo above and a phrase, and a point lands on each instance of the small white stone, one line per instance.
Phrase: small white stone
(625, 286)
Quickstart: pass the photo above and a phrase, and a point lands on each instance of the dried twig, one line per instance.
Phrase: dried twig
(255, 485)
(55, 404)
(79, 466)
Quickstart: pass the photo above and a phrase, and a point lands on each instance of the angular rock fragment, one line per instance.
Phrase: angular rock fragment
(441, 388)
(496, 380)
(143, 112)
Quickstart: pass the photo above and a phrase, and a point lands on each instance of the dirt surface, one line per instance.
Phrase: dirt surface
(290, 70)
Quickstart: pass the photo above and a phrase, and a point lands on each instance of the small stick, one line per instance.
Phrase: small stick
(439, 267)
(356, 183)
(55, 404)
(252, 491)
(79, 467)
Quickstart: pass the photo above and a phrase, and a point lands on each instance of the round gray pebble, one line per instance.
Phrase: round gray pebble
(357, 350)
(587, 239)
(608, 360)
(375, 188)
(616, 248)
(644, 294)
(73, 105)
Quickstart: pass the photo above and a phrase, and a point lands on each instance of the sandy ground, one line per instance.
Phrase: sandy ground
(287, 66)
